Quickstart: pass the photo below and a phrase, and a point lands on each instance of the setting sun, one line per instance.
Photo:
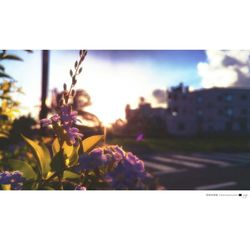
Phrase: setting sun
(112, 87)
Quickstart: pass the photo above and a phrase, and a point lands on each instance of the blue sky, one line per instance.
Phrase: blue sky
(112, 78)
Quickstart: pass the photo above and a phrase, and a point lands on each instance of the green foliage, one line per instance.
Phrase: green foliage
(4, 55)
(91, 142)
(67, 174)
(24, 167)
(2, 135)
(53, 171)
(70, 151)
(58, 163)
(8, 106)
(10, 57)
(42, 156)
(6, 187)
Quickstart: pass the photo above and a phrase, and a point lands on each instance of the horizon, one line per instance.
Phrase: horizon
(128, 75)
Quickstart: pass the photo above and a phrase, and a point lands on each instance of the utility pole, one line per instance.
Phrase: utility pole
(45, 78)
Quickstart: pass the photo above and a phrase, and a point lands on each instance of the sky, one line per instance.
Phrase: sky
(116, 78)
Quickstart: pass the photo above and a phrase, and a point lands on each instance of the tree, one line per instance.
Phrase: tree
(8, 106)
(81, 100)
(45, 76)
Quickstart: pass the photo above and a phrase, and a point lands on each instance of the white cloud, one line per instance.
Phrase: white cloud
(225, 69)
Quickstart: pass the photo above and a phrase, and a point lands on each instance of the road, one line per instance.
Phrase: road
(200, 171)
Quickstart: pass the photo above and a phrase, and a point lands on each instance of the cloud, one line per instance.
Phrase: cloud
(160, 95)
(228, 68)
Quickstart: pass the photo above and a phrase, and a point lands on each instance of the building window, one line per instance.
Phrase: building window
(229, 111)
(219, 98)
(243, 97)
(209, 105)
(181, 126)
(244, 111)
(229, 97)
(199, 99)
(199, 112)
(220, 112)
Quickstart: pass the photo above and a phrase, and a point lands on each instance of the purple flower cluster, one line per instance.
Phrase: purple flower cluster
(128, 174)
(15, 179)
(80, 187)
(100, 157)
(66, 118)
(127, 170)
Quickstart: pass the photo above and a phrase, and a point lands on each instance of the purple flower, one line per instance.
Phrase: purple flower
(95, 159)
(99, 157)
(45, 122)
(55, 118)
(134, 161)
(74, 134)
(80, 187)
(15, 179)
(127, 170)
(128, 174)
(140, 137)
(66, 119)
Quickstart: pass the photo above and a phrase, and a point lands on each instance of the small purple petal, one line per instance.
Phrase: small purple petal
(45, 122)
(80, 187)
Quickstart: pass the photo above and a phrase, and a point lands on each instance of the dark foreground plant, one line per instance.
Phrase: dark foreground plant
(71, 162)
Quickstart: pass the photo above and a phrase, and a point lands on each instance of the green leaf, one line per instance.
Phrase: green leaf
(47, 159)
(11, 57)
(70, 151)
(2, 74)
(59, 132)
(89, 143)
(6, 187)
(2, 67)
(55, 146)
(23, 167)
(2, 135)
(74, 157)
(48, 188)
(58, 163)
(67, 149)
(41, 155)
(70, 175)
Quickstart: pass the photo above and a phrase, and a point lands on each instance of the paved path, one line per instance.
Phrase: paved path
(201, 171)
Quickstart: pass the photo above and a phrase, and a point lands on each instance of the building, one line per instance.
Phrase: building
(204, 111)
(145, 119)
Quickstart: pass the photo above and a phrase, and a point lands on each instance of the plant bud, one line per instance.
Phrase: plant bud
(74, 81)
(64, 86)
(72, 92)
